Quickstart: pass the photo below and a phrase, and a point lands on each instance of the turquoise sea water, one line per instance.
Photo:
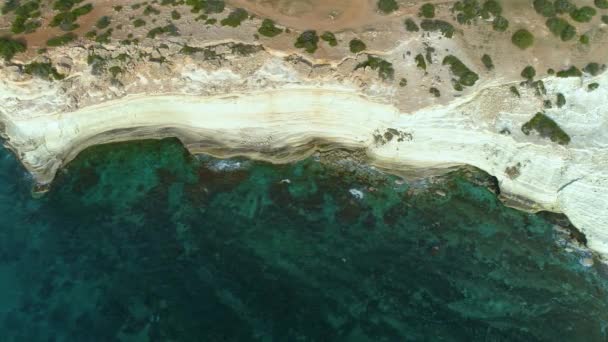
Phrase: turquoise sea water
(143, 242)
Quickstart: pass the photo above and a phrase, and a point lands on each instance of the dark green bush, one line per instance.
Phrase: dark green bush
(10, 47)
(139, 22)
(268, 29)
(61, 40)
(151, 10)
(438, 25)
(583, 14)
(43, 70)
(169, 29)
(570, 72)
(466, 77)
(434, 91)
(104, 38)
(593, 86)
(9, 6)
(208, 6)
(563, 6)
(420, 63)
(523, 39)
(308, 41)
(561, 100)
(175, 15)
(492, 7)
(544, 8)
(605, 19)
(500, 24)
(603, 4)
(427, 11)
(514, 91)
(593, 69)
(546, 128)
(403, 82)
(330, 38)
(115, 70)
(487, 62)
(411, 26)
(357, 45)
(387, 6)
(82, 10)
(385, 69)
(584, 39)
(235, 18)
(528, 72)
(103, 22)
(65, 5)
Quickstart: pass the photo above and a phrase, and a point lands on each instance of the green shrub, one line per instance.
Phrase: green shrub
(403, 82)
(330, 38)
(514, 91)
(151, 10)
(411, 26)
(115, 70)
(546, 128)
(208, 6)
(528, 72)
(466, 77)
(420, 63)
(357, 45)
(438, 25)
(104, 38)
(487, 62)
(139, 22)
(544, 8)
(561, 100)
(235, 18)
(469, 10)
(605, 19)
(61, 40)
(385, 69)
(387, 6)
(583, 14)
(563, 6)
(10, 47)
(492, 7)
(91, 34)
(43, 70)
(523, 39)
(427, 11)
(308, 41)
(500, 24)
(190, 50)
(603, 4)
(593, 69)
(584, 39)
(117, 8)
(65, 5)
(570, 72)
(434, 91)
(103, 22)
(268, 29)
(175, 15)
(561, 28)
(9, 6)
(82, 10)
(593, 86)
(167, 29)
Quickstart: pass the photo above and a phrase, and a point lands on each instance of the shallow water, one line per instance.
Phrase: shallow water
(142, 242)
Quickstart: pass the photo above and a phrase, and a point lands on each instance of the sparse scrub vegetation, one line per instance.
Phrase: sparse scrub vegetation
(139, 22)
(438, 25)
(357, 45)
(61, 40)
(269, 29)
(385, 69)
(235, 18)
(43, 70)
(103, 22)
(466, 77)
(330, 38)
(308, 41)
(546, 128)
(570, 72)
(10, 47)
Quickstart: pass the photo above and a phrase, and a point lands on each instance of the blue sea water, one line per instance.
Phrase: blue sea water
(143, 242)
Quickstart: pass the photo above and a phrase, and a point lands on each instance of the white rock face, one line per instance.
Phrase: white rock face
(47, 125)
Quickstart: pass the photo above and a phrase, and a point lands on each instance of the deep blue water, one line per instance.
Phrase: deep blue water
(143, 242)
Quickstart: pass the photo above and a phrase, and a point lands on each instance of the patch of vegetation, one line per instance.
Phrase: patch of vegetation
(245, 49)
(561, 28)
(357, 45)
(308, 41)
(420, 62)
(603, 4)
(103, 22)
(403, 82)
(207, 6)
(438, 25)
(268, 29)
(175, 15)
(593, 69)
(583, 14)
(151, 10)
(544, 8)
(523, 39)
(61, 40)
(387, 6)
(427, 11)
(104, 38)
(563, 6)
(467, 11)
(91, 34)
(411, 26)
(561, 100)
(434, 91)
(584, 39)
(466, 77)
(547, 104)
(570, 72)
(330, 38)
(43, 70)
(528, 72)
(385, 69)
(117, 8)
(500, 24)
(605, 19)
(546, 128)
(593, 86)
(169, 29)
(10, 47)
(26, 16)
(235, 18)
(487, 62)
(139, 22)
(115, 71)
(514, 91)
(210, 21)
